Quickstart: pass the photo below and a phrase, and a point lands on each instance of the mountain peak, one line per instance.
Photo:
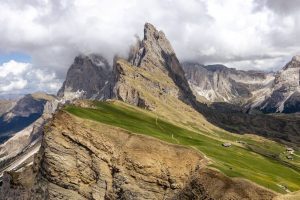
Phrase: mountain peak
(150, 31)
(158, 38)
(87, 77)
(152, 34)
(149, 53)
(156, 52)
(296, 58)
(294, 63)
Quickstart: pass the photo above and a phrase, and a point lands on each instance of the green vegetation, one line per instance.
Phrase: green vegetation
(235, 161)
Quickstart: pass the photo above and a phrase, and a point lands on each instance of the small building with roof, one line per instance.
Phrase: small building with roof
(226, 144)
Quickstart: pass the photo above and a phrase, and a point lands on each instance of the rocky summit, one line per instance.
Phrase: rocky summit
(155, 51)
(149, 127)
(90, 76)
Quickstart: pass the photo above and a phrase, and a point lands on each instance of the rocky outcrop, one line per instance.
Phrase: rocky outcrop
(16, 185)
(155, 51)
(81, 159)
(284, 97)
(253, 90)
(151, 72)
(292, 104)
(6, 106)
(89, 77)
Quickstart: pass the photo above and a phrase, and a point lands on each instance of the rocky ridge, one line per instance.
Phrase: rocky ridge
(253, 90)
(155, 51)
(154, 54)
(217, 83)
(285, 94)
(19, 149)
(98, 85)
(24, 112)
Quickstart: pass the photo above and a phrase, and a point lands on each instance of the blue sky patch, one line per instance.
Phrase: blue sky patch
(19, 57)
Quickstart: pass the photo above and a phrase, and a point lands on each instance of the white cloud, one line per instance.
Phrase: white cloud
(13, 68)
(13, 85)
(245, 34)
(254, 64)
(22, 78)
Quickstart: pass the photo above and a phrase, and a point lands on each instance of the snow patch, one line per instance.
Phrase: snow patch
(71, 96)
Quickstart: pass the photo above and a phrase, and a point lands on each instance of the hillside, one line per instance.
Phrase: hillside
(234, 161)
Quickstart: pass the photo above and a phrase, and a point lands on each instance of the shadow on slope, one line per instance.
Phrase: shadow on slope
(233, 119)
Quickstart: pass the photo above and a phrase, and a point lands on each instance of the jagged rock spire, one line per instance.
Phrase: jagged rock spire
(149, 52)
(296, 58)
(294, 63)
(155, 51)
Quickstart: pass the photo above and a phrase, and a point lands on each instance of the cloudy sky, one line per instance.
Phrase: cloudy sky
(39, 38)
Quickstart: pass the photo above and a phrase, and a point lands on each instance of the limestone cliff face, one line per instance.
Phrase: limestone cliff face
(151, 73)
(218, 83)
(125, 90)
(285, 95)
(81, 159)
(95, 161)
(89, 77)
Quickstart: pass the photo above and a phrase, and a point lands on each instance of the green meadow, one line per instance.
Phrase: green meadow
(246, 161)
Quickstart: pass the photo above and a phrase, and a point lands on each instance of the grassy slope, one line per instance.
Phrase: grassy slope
(236, 161)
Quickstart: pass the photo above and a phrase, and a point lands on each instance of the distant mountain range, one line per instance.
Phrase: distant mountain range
(253, 90)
